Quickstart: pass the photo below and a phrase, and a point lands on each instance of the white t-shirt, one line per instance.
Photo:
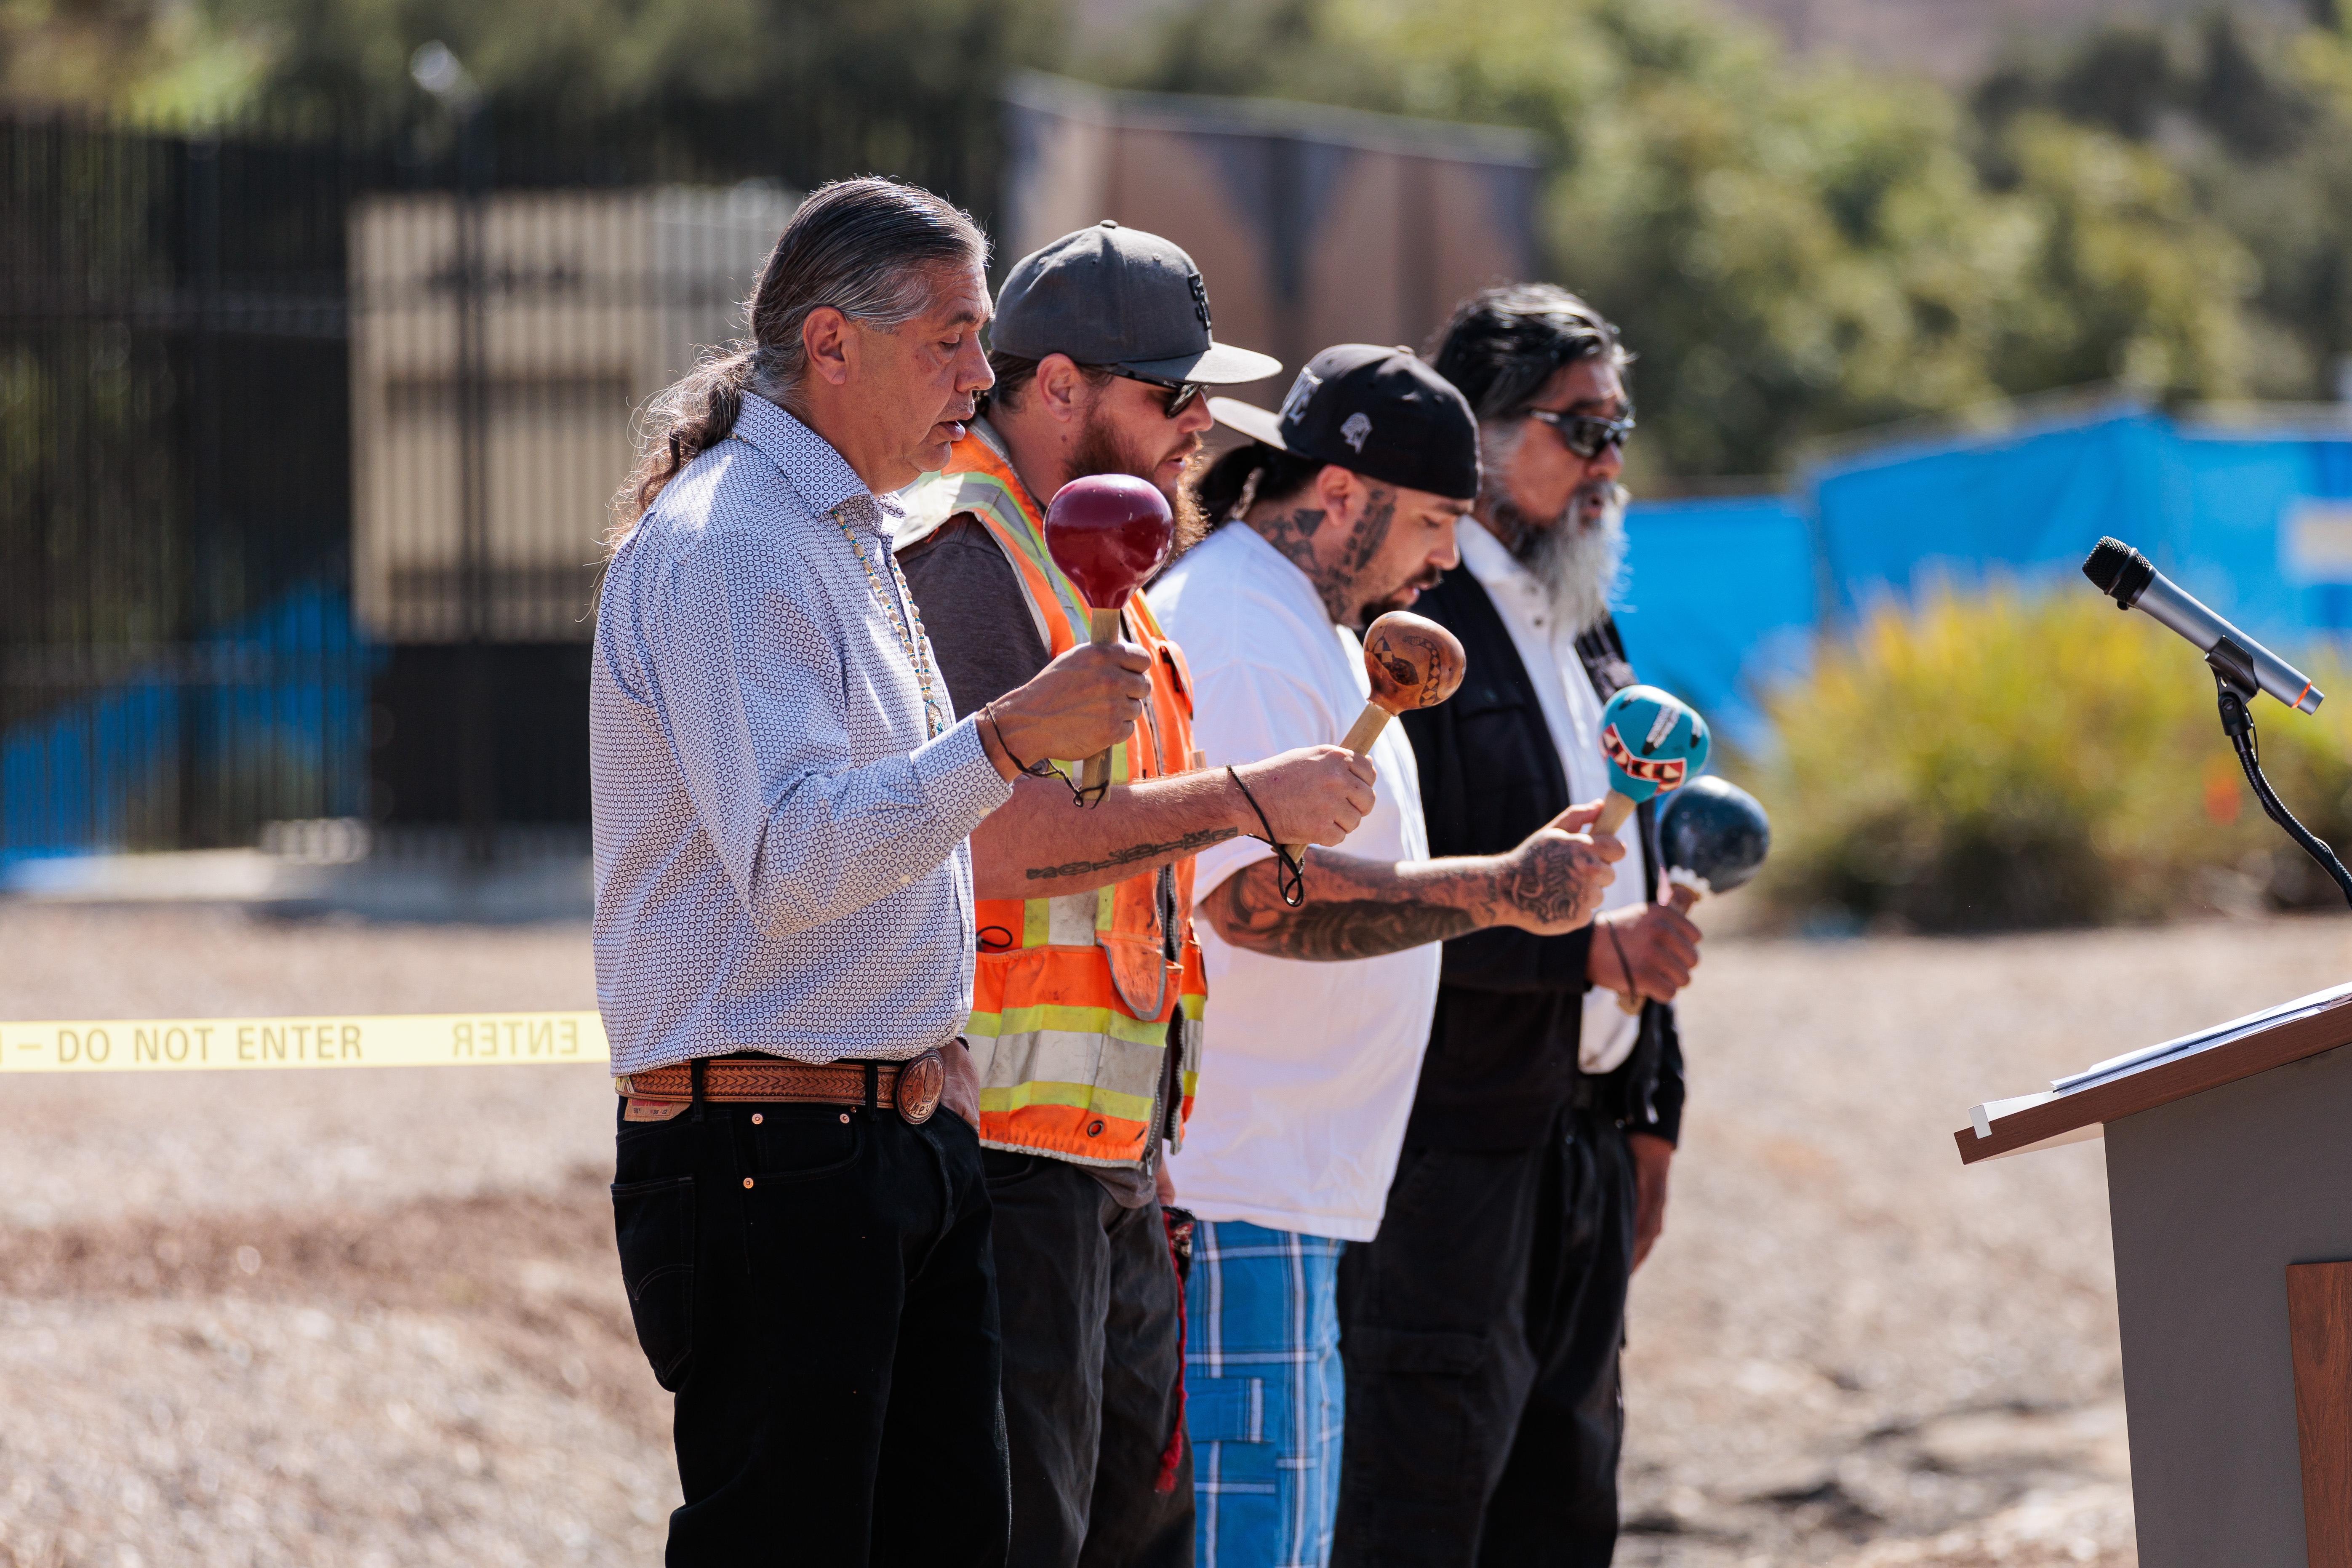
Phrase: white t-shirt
(1546, 646)
(1308, 1070)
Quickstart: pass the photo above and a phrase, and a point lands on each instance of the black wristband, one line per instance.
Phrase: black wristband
(1623, 964)
(1290, 876)
(988, 712)
(1044, 768)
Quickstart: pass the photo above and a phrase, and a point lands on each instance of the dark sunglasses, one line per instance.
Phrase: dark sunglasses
(1585, 434)
(1182, 394)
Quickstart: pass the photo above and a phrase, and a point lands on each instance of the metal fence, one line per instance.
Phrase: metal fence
(305, 445)
(175, 663)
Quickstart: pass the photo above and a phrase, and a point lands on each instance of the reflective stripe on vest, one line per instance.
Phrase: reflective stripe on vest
(1072, 997)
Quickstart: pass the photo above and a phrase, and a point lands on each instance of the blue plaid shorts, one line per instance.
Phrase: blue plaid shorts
(1262, 1394)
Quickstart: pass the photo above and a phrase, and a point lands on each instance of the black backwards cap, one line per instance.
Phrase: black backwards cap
(1382, 413)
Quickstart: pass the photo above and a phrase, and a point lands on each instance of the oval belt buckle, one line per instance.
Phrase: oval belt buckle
(918, 1086)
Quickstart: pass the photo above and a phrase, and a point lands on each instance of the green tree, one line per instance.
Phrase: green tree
(1930, 772)
(2255, 125)
(1792, 252)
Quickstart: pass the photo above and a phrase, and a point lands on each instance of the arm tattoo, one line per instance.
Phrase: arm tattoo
(1549, 882)
(1134, 852)
(1549, 885)
(1249, 913)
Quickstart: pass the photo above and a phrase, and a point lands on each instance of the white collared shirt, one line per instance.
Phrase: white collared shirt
(1572, 711)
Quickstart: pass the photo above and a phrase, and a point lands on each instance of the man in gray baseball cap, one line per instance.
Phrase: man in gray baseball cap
(1087, 990)
(1124, 300)
(1102, 349)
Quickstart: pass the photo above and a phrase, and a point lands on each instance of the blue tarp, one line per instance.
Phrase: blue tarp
(1719, 602)
(275, 707)
(1723, 596)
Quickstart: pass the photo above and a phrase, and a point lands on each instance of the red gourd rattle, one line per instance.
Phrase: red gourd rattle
(1108, 533)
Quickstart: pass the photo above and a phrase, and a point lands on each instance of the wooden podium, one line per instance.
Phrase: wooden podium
(2230, 1191)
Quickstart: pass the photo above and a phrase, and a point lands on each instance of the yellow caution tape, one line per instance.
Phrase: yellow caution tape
(195, 1045)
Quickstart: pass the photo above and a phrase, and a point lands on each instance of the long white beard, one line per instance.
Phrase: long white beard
(1581, 564)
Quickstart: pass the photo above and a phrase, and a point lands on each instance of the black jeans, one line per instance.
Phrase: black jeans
(1480, 1332)
(1093, 1352)
(815, 1287)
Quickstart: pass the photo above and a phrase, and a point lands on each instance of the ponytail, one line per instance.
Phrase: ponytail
(688, 418)
(1249, 474)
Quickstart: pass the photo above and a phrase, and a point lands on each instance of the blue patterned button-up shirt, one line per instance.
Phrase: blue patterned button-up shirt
(781, 854)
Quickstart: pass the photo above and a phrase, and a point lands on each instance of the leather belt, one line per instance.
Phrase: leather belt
(910, 1087)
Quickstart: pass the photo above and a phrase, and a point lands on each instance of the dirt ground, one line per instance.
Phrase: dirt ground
(372, 1318)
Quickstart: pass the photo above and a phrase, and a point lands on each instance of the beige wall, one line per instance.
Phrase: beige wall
(592, 302)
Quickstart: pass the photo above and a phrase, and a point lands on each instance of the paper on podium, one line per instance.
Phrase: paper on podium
(2202, 1040)
(2079, 1105)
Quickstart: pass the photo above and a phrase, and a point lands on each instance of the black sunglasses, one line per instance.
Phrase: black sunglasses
(1182, 394)
(1583, 434)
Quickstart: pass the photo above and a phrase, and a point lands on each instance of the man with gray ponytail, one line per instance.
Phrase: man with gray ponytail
(783, 933)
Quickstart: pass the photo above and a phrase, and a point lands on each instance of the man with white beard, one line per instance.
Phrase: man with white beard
(1481, 1328)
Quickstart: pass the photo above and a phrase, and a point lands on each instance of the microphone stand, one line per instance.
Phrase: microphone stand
(2233, 673)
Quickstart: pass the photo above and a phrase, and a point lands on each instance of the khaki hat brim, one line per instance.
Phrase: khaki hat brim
(1219, 364)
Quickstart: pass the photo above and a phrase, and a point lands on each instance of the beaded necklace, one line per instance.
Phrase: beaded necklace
(913, 642)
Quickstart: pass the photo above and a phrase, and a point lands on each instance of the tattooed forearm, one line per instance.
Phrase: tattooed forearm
(1248, 911)
(1332, 933)
(1187, 845)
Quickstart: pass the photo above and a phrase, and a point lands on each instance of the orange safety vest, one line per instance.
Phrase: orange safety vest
(1072, 997)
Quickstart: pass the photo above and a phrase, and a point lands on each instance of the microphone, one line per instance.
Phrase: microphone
(2130, 579)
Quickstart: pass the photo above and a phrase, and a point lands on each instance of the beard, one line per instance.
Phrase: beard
(1100, 450)
(1578, 554)
(1402, 598)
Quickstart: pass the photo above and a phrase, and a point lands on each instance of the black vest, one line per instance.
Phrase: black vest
(1502, 1051)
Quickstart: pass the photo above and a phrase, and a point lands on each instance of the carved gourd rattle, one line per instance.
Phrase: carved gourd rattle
(1653, 742)
(1414, 662)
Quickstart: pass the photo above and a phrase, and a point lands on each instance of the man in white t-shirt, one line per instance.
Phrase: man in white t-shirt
(1344, 503)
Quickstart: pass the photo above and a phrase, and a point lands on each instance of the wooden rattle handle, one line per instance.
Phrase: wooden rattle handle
(1358, 739)
(1365, 730)
(1614, 809)
(1103, 625)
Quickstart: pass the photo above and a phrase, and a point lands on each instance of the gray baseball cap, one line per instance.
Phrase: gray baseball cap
(1121, 298)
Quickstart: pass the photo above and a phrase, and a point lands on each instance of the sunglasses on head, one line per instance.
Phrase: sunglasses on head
(1182, 394)
(1586, 435)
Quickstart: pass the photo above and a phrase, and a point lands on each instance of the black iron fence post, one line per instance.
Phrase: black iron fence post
(199, 615)
(477, 786)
